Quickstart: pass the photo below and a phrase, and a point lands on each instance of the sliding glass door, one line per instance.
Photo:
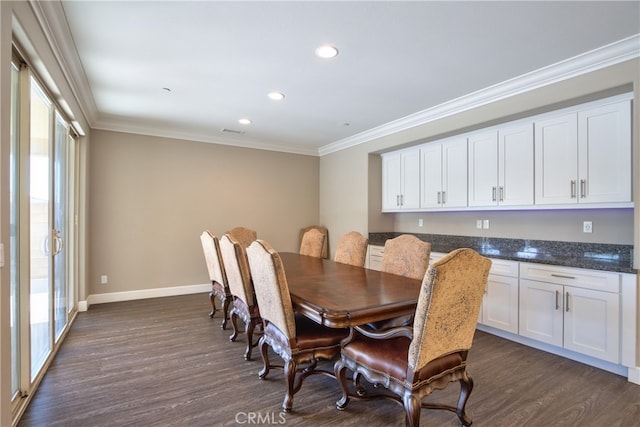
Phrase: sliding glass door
(42, 199)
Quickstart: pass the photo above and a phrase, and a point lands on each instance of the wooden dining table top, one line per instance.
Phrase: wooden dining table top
(341, 295)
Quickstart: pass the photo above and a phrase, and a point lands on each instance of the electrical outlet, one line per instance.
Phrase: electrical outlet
(485, 224)
(420, 222)
(479, 224)
(587, 227)
(104, 279)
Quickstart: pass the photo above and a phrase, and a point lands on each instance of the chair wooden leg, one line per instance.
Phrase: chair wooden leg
(340, 371)
(412, 407)
(234, 325)
(264, 351)
(290, 368)
(212, 297)
(250, 327)
(225, 311)
(466, 386)
(360, 391)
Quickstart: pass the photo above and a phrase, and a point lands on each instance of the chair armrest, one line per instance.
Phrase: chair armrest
(400, 331)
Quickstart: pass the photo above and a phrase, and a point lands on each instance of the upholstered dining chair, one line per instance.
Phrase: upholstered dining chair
(217, 275)
(351, 249)
(312, 243)
(413, 362)
(298, 340)
(236, 266)
(407, 256)
(243, 235)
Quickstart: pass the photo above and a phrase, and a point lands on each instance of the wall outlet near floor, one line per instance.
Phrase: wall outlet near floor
(587, 227)
(104, 279)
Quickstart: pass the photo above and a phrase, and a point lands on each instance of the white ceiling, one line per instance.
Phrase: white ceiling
(397, 58)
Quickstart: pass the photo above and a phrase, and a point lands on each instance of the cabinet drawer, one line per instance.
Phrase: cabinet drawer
(502, 267)
(582, 278)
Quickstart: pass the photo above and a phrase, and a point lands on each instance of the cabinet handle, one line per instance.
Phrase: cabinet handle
(566, 303)
(402, 200)
(493, 194)
(501, 193)
(583, 188)
(557, 300)
(397, 200)
(562, 276)
(444, 197)
(439, 197)
(573, 189)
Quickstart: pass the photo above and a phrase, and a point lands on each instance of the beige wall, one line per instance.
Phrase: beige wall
(150, 198)
(355, 171)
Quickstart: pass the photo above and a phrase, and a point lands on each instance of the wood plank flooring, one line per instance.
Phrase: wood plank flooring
(163, 362)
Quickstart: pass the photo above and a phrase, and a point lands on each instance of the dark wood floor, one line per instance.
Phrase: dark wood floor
(163, 362)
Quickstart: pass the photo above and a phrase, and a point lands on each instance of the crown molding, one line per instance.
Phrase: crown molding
(122, 125)
(53, 22)
(611, 54)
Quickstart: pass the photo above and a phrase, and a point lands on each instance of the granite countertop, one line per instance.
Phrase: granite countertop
(594, 256)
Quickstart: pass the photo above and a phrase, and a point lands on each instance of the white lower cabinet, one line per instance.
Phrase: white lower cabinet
(576, 309)
(374, 257)
(500, 301)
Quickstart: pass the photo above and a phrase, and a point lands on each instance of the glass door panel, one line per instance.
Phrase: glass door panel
(39, 227)
(13, 242)
(60, 235)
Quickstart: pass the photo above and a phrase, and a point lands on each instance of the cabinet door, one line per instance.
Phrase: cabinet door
(454, 173)
(592, 323)
(541, 316)
(556, 160)
(500, 303)
(515, 165)
(410, 179)
(431, 175)
(391, 181)
(604, 153)
(483, 169)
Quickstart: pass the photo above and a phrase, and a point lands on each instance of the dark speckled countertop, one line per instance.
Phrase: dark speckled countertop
(595, 256)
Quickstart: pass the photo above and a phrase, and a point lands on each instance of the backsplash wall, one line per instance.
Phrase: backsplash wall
(614, 226)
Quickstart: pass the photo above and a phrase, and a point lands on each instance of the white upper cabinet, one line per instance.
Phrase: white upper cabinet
(401, 180)
(604, 154)
(501, 167)
(584, 157)
(444, 174)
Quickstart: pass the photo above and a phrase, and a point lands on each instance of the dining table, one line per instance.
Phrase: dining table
(341, 295)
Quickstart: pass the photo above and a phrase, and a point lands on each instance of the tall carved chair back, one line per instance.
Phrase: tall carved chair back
(244, 235)
(236, 265)
(351, 249)
(413, 361)
(407, 256)
(313, 244)
(298, 340)
(217, 275)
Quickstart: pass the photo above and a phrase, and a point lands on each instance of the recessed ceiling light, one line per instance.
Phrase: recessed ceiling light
(326, 51)
(276, 96)
(244, 121)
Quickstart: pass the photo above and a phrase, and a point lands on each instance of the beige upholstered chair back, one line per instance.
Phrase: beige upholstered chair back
(312, 243)
(212, 257)
(245, 236)
(325, 243)
(407, 256)
(236, 266)
(351, 249)
(272, 290)
(448, 306)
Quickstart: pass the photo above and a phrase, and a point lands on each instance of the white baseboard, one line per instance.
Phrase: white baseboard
(142, 294)
(634, 375)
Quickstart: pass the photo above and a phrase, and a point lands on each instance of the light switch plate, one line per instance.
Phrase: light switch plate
(587, 227)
